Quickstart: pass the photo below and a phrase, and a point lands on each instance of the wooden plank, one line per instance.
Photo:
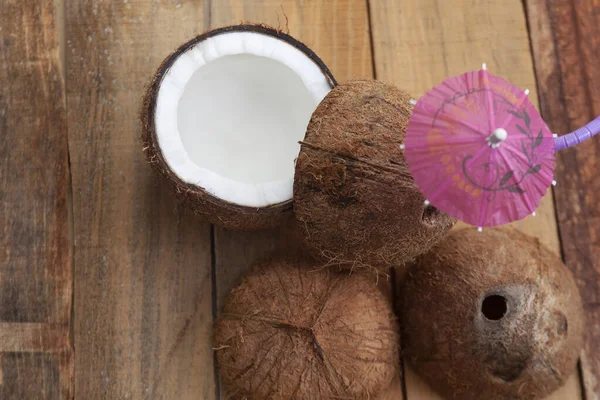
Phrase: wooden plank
(338, 32)
(35, 261)
(419, 44)
(33, 337)
(143, 298)
(565, 37)
(31, 376)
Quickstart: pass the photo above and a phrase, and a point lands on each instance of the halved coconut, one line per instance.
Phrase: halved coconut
(223, 117)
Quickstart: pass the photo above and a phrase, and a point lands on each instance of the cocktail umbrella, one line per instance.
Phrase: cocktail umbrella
(479, 150)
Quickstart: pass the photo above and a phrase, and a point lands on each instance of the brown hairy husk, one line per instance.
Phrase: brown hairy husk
(292, 330)
(353, 192)
(526, 354)
(194, 197)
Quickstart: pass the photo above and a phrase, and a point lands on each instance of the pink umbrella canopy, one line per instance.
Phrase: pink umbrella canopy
(479, 150)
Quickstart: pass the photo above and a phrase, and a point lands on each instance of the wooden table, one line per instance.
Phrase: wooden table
(108, 289)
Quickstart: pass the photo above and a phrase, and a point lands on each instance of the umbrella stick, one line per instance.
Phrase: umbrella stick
(578, 136)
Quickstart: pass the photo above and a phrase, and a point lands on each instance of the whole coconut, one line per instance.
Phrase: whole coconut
(492, 315)
(289, 331)
(353, 192)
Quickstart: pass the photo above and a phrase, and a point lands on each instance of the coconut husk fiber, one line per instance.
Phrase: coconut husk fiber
(291, 331)
(491, 315)
(354, 195)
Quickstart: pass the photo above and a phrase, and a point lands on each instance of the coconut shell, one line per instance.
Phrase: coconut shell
(291, 331)
(194, 197)
(492, 315)
(353, 192)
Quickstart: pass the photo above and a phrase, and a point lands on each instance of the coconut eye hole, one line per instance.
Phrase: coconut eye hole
(494, 307)
(429, 213)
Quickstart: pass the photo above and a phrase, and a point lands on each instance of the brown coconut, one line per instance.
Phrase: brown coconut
(353, 192)
(292, 331)
(194, 197)
(492, 315)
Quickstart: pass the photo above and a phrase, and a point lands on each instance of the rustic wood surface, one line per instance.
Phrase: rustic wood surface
(143, 294)
(565, 37)
(136, 287)
(35, 253)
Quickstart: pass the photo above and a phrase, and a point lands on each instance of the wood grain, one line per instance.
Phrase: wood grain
(565, 37)
(419, 44)
(143, 297)
(35, 260)
(32, 376)
(33, 337)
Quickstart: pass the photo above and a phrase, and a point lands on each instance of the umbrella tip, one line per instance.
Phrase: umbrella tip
(554, 183)
(413, 102)
(402, 147)
(533, 214)
(484, 66)
(526, 92)
(479, 229)
(555, 135)
(426, 202)
(498, 136)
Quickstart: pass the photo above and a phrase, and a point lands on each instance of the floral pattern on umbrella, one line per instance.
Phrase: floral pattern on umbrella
(479, 150)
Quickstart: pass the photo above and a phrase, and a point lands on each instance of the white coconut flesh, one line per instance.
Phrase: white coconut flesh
(230, 113)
